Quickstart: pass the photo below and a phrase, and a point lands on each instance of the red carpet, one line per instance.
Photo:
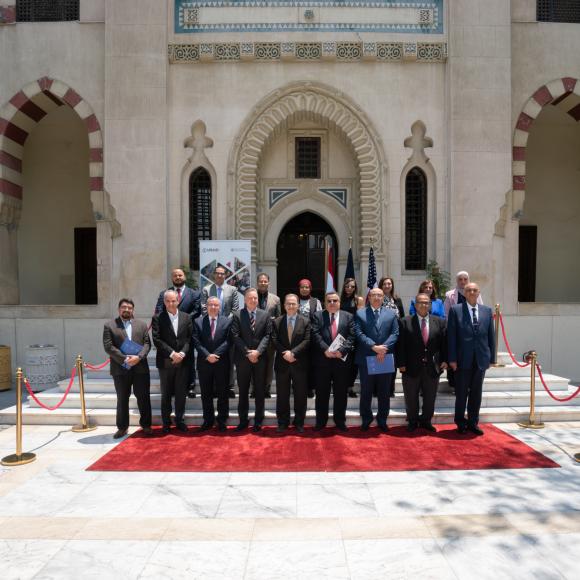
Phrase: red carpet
(325, 451)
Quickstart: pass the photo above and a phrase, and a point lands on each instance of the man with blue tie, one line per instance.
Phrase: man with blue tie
(376, 332)
(211, 340)
(471, 351)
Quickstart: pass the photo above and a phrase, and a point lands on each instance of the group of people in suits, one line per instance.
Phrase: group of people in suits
(309, 338)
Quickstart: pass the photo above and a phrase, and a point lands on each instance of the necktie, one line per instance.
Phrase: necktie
(219, 293)
(179, 295)
(253, 321)
(475, 321)
(290, 329)
(376, 315)
(212, 328)
(424, 331)
(333, 328)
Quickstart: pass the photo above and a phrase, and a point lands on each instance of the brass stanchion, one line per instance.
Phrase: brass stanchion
(85, 425)
(497, 315)
(531, 422)
(19, 458)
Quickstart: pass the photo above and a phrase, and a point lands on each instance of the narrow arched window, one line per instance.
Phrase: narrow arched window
(415, 220)
(199, 213)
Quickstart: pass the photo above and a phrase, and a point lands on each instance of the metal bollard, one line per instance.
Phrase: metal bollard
(85, 425)
(497, 315)
(531, 422)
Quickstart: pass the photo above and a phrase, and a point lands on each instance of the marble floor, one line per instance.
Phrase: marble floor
(59, 521)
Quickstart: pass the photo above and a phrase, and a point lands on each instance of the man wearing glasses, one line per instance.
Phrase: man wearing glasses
(471, 347)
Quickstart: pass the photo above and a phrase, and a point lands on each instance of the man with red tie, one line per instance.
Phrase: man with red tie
(211, 335)
(421, 357)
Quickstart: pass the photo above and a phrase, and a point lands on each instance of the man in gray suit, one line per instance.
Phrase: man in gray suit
(228, 296)
(129, 370)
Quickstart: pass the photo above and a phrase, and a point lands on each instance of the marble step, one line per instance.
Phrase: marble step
(69, 417)
(490, 399)
(556, 384)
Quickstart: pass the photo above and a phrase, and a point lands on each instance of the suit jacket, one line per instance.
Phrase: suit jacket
(190, 302)
(244, 338)
(166, 341)
(299, 345)
(452, 298)
(322, 338)
(273, 306)
(206, 345)
(368, 333)
(113, 336)
(230, 301)
(464, 343)
(411, 350)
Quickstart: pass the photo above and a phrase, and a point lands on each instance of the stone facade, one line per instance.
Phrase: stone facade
(163, 88)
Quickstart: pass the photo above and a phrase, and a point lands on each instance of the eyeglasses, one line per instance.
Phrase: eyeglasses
(332, 301)
(422, 303)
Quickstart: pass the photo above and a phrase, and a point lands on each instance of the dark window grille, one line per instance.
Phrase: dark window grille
(307, 158)
(415, 220)
(47, 10)
(199, 213)
(558, 11)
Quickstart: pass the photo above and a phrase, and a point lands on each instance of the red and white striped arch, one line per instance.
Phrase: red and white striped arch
(562, 93)
(18, 119)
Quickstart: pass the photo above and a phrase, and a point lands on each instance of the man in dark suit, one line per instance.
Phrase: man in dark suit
(471, 351)
(421, 357)
(291, 336)
(271, 304)
(376, 331)
(251, 329)
(332, 371)
(211, 335)
(172, 336)
(129, 370)
(189, 301)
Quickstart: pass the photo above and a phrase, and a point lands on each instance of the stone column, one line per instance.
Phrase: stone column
(479, 121)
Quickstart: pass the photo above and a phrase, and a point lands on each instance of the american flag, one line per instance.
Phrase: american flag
(372, 275)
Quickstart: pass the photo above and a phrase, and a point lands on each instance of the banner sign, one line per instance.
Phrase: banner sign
(234, 255)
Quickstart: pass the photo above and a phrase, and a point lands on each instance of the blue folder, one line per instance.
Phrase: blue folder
(374, 367)
(130, 348)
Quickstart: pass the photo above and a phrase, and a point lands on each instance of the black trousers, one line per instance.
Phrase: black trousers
(291, 377)
(468, 392)
(174, 383)
(141, 388)
(247, 373)
(369, 384)
(333, 376)
(426, 384)
(216, 376)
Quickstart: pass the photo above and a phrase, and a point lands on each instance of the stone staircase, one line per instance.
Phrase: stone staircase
(505, 400)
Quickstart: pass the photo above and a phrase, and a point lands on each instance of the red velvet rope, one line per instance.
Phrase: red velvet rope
(563, 400)
(91, 367)
(70, 384)
(522, 366)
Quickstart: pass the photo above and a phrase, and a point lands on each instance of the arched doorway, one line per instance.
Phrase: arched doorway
(300, 253)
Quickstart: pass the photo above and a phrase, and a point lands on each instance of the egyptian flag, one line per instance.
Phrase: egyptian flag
(329, 265)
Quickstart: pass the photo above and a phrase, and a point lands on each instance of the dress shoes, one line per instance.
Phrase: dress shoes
(318, 427)
(206, 426)
(429, 427)
(191, 394)
(281, 428)
(182, 427)
(165, 429)
(241, 427)
(300, 428)
(231, 393)
(120, 433)
(475, 430)
(222, 427)
(383, 427)
(341, 427)
(411, 427)
(365, 425)
(311, 393)
(257, 427)
(461, 429)
(352, 394)
(147, 431)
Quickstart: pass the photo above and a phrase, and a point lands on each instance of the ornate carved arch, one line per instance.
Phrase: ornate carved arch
(334, 110)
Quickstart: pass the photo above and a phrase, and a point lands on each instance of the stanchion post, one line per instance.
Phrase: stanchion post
(497, 315)
(18, 458)
(531, 422)
(85, 425)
